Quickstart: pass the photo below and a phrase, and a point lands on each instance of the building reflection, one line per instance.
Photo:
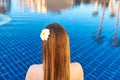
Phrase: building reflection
(5, 6)
(33, 5)
(115, 41)
(98, 37)
(42, 6)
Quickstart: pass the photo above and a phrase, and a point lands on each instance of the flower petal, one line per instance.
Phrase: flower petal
(45, 34)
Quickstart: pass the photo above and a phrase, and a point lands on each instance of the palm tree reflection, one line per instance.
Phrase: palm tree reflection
(112, 8)
(96, 8)
(98, 37)
(115, 41)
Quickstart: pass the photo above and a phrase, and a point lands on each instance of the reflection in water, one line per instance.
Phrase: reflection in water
(109, 3)
(56, 5)
(33, 5)
(96, 8)
(116, 42)
(77, 2)
(112, 8)
(86, 1)
(2, 7)
(98, 37)
(5, 6)
(42, 6)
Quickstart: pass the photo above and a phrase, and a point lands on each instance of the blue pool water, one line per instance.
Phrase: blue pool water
(20, 43)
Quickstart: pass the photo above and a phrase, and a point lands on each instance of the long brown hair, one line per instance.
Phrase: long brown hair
(56, 54)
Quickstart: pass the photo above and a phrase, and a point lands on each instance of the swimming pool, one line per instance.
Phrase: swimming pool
(20, 44)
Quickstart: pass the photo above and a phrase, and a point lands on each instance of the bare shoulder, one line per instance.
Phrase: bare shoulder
(35, 66)
(77, 70)
(33, 71)
(78, 65)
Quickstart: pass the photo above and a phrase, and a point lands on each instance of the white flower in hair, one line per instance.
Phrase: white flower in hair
(45, 34)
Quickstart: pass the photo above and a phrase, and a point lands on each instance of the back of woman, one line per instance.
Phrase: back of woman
(36, 72)
(56, 53)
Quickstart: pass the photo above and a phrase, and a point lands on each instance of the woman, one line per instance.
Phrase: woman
(56, 57)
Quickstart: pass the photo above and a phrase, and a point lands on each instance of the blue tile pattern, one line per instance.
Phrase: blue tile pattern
(20, 44)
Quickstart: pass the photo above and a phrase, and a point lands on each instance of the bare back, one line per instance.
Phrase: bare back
(35, 72)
